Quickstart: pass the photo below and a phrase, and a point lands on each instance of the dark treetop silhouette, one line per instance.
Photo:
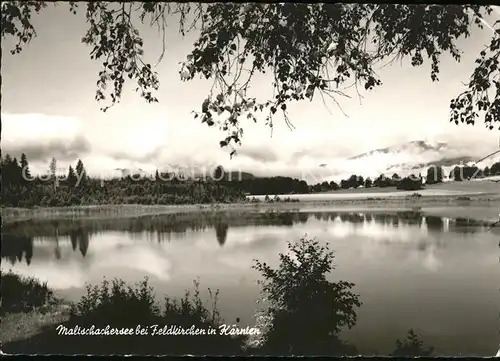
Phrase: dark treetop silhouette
(309, 48)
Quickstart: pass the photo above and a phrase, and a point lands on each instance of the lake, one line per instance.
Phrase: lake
(412, 270)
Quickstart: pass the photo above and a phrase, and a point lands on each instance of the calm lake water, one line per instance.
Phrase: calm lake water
(436, 275)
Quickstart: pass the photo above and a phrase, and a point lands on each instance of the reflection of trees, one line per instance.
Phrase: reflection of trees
(162, 237)
(434, 223)
(12, 258)
(344, 217)
(466, 225)
(159, 224)
(357, 218)
(16, 247)
(83, 242)
(28, 250)
(393, 220)
(303, 217)
(325, 216)
(221, 228)
(73, 236)
(410, 217)
(161, 227)
(379, 218)
(79, 238)
(57, 250)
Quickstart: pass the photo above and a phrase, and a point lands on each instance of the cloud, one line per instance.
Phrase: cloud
(44, 150)
(42, 137)
(33, 126)
(256, 153)
(143, 157)
(132, 142)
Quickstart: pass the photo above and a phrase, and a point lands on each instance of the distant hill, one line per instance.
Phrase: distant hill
(444, 162)
(413, 157)
(235, 175)
(416, 146)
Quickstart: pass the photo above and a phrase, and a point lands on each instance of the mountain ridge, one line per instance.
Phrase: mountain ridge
(404, 159)
(413, 157)
(419, 144)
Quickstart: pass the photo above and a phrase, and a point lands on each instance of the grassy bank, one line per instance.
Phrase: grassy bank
(484, 185)
(16, 214)
(23, 294)
(466, 194)
(35, 329)
(28, 305)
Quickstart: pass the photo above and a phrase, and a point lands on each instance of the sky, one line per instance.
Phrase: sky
(48, 109)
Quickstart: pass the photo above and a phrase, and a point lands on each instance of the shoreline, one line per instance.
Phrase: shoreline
(12, 214)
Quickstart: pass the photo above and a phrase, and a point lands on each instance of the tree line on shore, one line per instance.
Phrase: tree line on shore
(21, 189)
(76, 187)
(434, 175)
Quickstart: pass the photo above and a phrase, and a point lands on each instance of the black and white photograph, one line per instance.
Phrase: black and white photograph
(250, 179)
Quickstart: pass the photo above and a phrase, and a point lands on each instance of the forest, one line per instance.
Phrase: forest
(22, 189)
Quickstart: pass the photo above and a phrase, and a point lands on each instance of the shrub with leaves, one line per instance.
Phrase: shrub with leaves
(304, 311)
(192, 310)
(112, 303)
(412, 346)
(120, 306)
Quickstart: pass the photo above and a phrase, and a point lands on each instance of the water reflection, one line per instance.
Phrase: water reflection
(435, 274)
(16, 247)
(221, 228)
(79, 238)
(18, 237)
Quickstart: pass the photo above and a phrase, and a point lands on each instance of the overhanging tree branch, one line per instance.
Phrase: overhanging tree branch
(291, 40)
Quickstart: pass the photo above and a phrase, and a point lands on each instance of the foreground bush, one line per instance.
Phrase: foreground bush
(412, 346)
(23, 294)
(114, 306)
(305, 312)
